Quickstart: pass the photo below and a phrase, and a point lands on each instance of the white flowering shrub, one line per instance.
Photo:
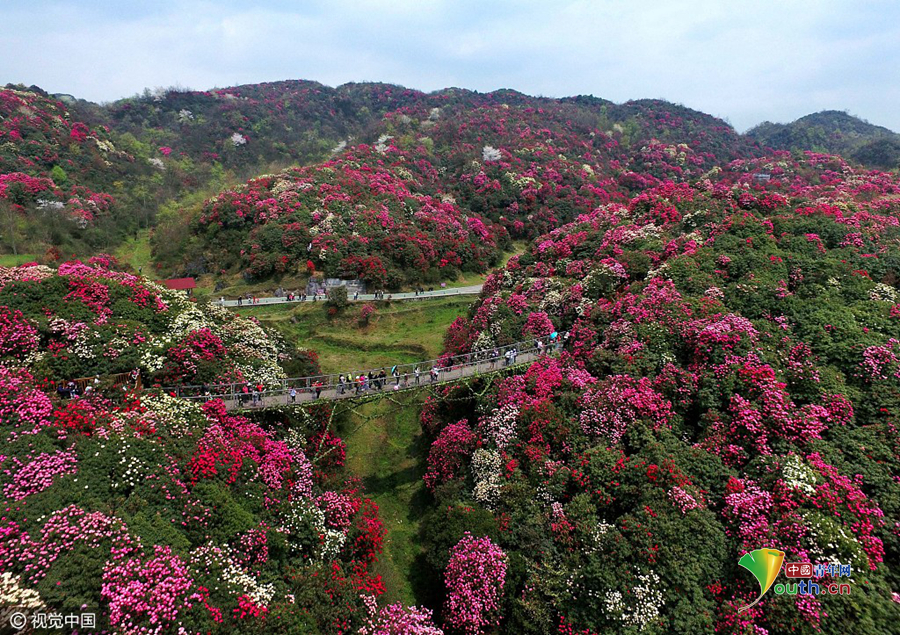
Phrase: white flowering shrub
(490, 153)
(486, 470)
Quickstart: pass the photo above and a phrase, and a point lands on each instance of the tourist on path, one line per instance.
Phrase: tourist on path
(293, 395)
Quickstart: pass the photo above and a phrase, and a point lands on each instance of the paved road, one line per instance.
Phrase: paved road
(366, 297)
(307, 395)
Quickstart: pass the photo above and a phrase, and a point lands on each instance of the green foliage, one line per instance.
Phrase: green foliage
(337, 301)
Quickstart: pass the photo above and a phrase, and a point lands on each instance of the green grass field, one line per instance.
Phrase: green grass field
(136, 252)
(9, 260)
(387, 452)
(400, 332)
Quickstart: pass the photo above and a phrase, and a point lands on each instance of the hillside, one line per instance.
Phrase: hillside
(171, 516)
(834, 132)
(729, 380)
(84, 176)
(61, 180)
(510, 164)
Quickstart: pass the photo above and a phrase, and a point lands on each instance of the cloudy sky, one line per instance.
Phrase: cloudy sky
(743, 61)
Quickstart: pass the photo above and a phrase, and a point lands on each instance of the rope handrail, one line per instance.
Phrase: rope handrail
(431, 372)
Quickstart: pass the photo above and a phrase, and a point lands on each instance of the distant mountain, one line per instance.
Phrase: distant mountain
(833, 132)
(522, 165)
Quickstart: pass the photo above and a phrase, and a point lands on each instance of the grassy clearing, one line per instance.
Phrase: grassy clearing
(400, 332)
(136, 252)
(387, 453)
(9, 260)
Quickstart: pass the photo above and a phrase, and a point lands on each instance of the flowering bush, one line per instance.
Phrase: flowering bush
(475, 577)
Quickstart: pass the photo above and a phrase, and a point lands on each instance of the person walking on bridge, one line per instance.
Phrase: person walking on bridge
(293, 395)
(341, 386)
(417, 372)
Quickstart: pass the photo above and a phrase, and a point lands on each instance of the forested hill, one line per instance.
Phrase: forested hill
(79, 178)
(834, 132)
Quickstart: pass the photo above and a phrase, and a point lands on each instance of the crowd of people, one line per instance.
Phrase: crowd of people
(73, 389)
(320, 294)
(289, 296)
(248, 394)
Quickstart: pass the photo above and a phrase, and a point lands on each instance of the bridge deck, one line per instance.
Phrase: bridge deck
(327, 388)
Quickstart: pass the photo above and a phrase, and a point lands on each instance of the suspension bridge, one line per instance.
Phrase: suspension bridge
(368, 384)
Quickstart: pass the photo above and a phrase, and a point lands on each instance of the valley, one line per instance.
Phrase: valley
(727, 382)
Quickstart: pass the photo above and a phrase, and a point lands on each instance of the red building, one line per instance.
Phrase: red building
(181, 284)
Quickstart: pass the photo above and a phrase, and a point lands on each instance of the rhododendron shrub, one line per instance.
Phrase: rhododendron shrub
(474, 578)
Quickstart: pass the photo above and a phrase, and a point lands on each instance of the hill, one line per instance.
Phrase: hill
(512, 164)
(834, 132)
(729, 380)
(164, 514)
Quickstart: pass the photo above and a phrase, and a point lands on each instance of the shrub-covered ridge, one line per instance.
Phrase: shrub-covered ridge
(729, 382)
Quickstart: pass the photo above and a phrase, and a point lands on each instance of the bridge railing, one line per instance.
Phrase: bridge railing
(401, 376)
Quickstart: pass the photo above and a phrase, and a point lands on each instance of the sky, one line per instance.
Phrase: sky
(745, 62)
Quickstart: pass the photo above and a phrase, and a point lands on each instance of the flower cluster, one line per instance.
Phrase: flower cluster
(475, 577)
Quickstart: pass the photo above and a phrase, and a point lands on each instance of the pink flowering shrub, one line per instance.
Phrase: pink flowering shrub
(38, 474)
(448, 452)
(475, 577)
(17, 336)
(146, 595)
(395, 619)
(538, 325)
(619, 401)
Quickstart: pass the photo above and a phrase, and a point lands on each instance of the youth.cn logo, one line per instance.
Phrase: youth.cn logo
(764, 564)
